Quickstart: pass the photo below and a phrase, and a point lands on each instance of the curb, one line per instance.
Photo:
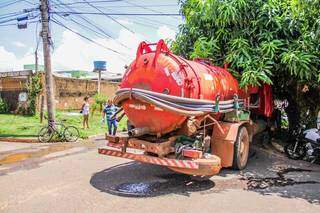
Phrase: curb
(19, 140)
(95, 136)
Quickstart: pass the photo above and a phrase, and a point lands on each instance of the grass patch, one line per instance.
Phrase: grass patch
(29, 126)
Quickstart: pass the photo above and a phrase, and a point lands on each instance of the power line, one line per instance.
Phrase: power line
(10, 14)
(15, 19)
(15, 24)
(113, 19)
(87, 20)
(151, 21)
(92, 30)
(116, 14)
(85, 37)
(81, 2)
(9, 3)
(29, 2)
(126, 6)
(143, 7)
(17, 14)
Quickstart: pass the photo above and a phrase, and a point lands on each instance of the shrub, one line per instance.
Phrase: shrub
(34, 88)
(4, 108)
(100, 100)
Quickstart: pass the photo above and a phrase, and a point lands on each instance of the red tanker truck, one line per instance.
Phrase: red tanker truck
(189, 116)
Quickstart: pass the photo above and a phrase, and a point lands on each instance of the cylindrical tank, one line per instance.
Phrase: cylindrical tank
(161, 71)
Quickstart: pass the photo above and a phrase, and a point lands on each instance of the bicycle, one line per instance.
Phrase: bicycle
(66, 133)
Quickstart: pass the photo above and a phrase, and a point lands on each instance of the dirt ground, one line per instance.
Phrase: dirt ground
(75, 178)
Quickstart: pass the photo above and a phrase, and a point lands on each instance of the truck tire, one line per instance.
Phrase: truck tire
(241, 149)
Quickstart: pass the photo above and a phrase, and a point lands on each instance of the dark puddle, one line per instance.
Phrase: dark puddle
(175, 183)
(279, 181)
(287, 183)
(150, 181)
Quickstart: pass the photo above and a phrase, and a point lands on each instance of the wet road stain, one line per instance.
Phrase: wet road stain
(173, 183)
(23, 156)
(255, 183)
(146, 180)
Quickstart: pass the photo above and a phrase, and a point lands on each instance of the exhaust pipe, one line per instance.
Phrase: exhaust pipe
(138, 131)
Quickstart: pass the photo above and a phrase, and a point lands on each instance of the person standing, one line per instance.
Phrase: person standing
(85, 112)
(108, 113)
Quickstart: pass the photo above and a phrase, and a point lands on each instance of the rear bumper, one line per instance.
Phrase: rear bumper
(150, 159)
(203, 167)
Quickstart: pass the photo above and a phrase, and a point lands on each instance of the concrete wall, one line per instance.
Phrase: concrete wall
(70, 92)
(10, 88)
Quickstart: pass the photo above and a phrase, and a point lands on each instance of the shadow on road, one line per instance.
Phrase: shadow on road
(269, 174)
(146, 180)
(265, 174)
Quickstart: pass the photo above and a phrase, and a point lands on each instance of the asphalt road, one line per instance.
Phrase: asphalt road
(74, 178)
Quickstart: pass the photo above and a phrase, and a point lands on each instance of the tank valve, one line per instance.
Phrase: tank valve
(138, 131)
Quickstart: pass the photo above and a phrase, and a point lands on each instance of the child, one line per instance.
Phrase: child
(108, 113)
(85, 112)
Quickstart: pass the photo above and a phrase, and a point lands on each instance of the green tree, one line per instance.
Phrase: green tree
(274, 41)
(34, 88)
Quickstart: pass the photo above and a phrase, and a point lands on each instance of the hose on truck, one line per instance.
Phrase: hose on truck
(180, 105)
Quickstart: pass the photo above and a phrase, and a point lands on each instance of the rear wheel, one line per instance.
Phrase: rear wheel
(45, 134)
(241, 149)
(71, 134)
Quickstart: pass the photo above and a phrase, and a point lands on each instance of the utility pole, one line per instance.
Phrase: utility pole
(99, 81)
(45, 33)
(36, 60)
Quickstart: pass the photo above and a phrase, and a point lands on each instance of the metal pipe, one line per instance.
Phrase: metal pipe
(138, 131)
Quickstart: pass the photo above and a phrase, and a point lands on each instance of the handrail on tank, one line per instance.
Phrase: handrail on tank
(144, 48)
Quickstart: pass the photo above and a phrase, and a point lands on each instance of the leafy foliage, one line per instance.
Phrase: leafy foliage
(259, 39)
(4, 108)
(273, 41)
(99, 100)
(34, 88)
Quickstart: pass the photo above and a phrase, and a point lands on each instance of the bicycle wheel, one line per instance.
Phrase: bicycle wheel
(71, 134)
(45, 134)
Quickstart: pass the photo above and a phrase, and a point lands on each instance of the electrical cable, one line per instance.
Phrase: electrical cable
(131, 6)
(143, 7)
(87, 20)
(30, 2)
(9, 3)
(101, 35)
(110, 17)
(81, 2)
(8, 15)
(89, 39)
(15, 24)
(15, 19)
(116, 14)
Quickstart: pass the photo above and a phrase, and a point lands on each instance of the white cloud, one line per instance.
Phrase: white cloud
(74, 52)
(77, 53)
(18, 44)
(165, 32)
(8, 60)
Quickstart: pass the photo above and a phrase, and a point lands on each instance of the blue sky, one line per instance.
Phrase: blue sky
(72, 52)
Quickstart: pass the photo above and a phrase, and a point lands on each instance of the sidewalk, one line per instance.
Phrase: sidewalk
(19, 140)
